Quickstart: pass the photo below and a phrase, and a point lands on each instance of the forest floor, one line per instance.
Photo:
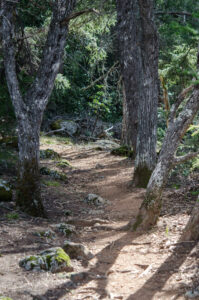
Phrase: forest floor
(126, 265)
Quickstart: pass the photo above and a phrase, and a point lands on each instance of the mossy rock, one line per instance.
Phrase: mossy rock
(5, 191)
(66, 229)
(5, 298)
(123, 151)
(55, 125)
(49, 154)
(63, 164)
(53, 260)
(46, 234)
(11, 141)
(53, 173)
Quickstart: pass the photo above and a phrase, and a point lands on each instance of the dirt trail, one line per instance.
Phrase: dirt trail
(125, 265)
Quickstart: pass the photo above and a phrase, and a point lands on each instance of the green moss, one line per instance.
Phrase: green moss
(141, 177)
(61, 256)
(52, 183)
(123, 151)
(49, 154)
(53, 173)
(137, 222)
(5, 298)
(56, 125)
(12, 216)
(63, 164)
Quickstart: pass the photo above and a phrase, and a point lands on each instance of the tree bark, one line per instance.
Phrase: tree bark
(191, 231)
(138, 45)
(30, 108)
(129, 41)
(147, 109)
(151, 206)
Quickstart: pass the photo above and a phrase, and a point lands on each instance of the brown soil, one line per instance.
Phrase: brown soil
(126, 265)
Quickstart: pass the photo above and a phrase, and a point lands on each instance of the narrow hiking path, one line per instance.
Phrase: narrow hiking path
(125, 265)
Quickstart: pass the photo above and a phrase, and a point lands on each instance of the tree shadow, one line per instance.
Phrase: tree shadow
(99, 272)
(171, 266)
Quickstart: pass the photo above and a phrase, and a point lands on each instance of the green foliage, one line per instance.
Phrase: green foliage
(12, 216)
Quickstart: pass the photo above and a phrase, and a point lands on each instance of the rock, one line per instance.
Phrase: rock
(76, 277)
(105, 144)
(123, 151)
(192, 294)
(77, 251)
(49, 154)
(63, 164)
(5, 191)
(53, 173)
(53, 260)
(66, 229)
(68, 126)
(48, 233)
(95, 199)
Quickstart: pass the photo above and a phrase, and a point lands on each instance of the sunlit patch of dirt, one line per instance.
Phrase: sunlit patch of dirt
(125, 265)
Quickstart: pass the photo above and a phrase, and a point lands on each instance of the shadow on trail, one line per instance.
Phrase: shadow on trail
(98, 273)
(171, 266)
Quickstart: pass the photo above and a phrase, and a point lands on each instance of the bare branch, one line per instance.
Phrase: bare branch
(101, 77)
(176, 105)
(78, 14)
(180, 13)
(181, 159)
(7, 30)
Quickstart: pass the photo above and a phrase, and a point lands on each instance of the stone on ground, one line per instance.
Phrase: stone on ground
(77, 251)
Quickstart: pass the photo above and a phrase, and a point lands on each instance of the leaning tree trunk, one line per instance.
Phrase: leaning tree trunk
(191, 231)
(151, 206)
(30, 108)
(138, 47)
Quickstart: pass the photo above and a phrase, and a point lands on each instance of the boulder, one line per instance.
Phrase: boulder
(77, 251)
(53, 173)
(5, 191)
(53, 260)
(95, 200)
(68, 126)
(65, 229)
(49, 154)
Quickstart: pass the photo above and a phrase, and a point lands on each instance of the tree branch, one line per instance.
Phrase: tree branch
(77, 14)
(176, 105)
(182, 13)
(101, 77)
(7, 29)
(181, 159)
(52, 56)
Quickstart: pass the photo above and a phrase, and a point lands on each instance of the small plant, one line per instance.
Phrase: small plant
(12, 216)
(52, 183)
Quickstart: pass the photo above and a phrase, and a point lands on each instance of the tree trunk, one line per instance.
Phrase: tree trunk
(138, 46)
(29, 109)
(151, 206)
(148, 99)
(191, 231)
(129, 49)
(28, 191)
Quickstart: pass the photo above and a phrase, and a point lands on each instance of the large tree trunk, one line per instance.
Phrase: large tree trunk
(29, 109)
(151, 206)
(138, 46)
(130, 60)
(148, 99)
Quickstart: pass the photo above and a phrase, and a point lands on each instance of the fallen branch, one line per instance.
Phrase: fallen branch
(78, 14)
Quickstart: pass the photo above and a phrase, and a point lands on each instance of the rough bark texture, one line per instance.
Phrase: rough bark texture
(138, 45)
(191, 231)
(29, 109)
(130, 59)
(151, 206)
(147, 109)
